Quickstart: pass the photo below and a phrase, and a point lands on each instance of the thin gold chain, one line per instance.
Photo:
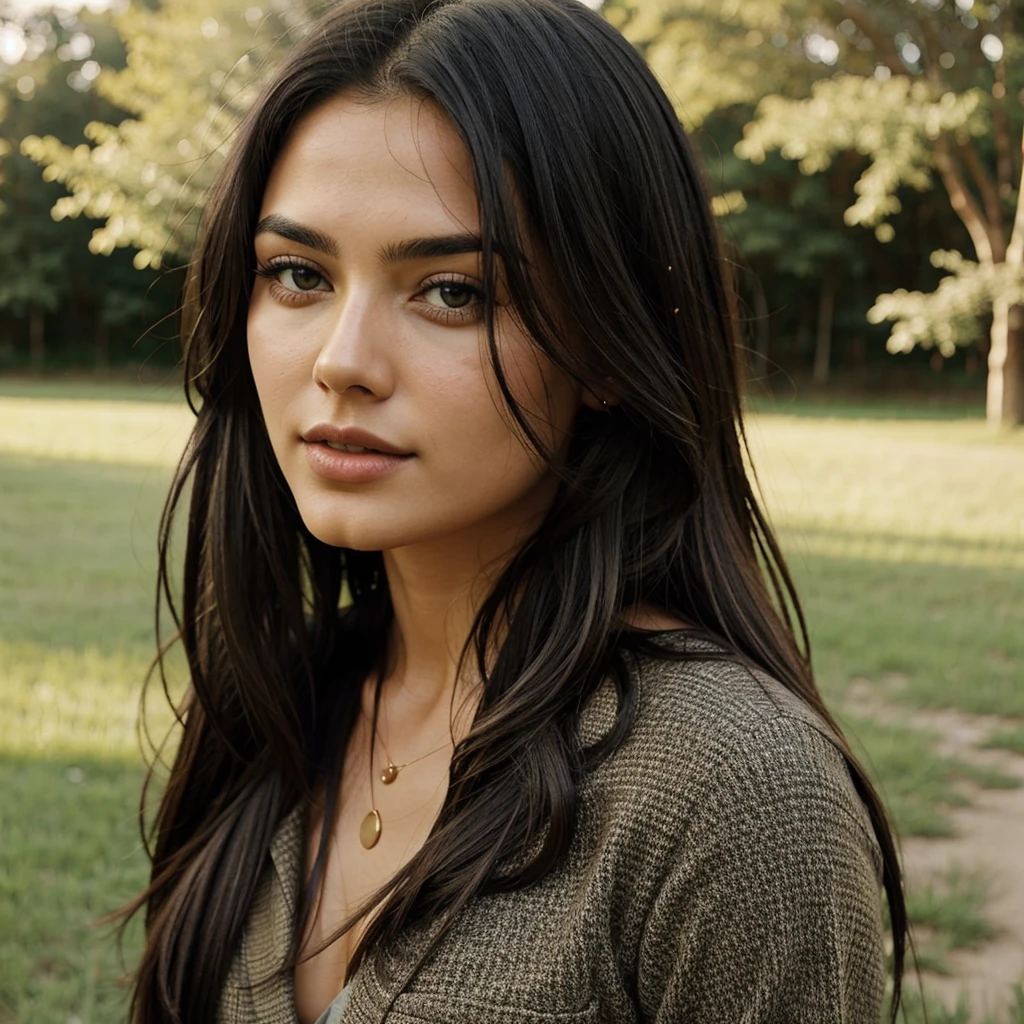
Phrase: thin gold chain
(399, 767)
(371, 827)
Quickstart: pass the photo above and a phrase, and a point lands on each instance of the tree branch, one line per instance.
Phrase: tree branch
(882, 42)
(933, 48)
(962, 201)
(1004, 148)
(1015, 251)
(990, 197)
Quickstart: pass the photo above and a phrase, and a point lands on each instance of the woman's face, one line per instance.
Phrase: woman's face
(366, 314)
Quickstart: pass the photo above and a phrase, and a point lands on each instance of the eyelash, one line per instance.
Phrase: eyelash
(273, 269)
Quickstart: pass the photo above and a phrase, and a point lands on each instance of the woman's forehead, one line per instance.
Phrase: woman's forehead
(398, 159)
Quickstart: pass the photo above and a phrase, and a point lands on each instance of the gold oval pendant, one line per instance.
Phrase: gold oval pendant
(369, 831)
(389, 774)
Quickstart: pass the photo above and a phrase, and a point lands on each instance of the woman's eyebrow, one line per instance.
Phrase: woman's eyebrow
(428, 248)
(275, 224)
(393, 252)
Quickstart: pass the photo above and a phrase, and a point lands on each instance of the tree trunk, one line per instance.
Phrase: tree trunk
(826, 313)
(102, 344)
(36, 337)
(803, 329)
(1005, 400)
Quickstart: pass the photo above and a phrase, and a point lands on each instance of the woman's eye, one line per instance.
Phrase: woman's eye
(289, 280)
(451, 295)
(300, 279)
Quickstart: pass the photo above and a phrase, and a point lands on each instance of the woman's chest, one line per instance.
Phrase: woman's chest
(561, 950)
(377, 831)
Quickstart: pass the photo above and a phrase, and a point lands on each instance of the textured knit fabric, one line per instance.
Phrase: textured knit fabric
(723, 871)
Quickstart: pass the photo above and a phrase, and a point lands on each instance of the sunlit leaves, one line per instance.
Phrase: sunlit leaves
(953, 314)
(893, 122)
(192, 69)
(711, 54)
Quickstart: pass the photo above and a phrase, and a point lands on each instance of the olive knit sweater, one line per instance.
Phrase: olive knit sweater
(723, 871)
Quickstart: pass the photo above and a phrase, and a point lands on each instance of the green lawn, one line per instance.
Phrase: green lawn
(906, 536)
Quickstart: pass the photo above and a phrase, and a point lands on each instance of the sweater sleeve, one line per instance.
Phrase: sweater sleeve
(770, 912)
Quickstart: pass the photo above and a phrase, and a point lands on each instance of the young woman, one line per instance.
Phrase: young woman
(497, 711)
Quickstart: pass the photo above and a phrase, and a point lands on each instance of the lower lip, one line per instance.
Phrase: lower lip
(351, 467)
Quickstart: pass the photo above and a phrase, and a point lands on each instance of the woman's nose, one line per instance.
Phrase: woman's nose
(354, 353)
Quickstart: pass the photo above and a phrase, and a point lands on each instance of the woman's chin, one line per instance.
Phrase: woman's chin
(353, 540)
(370, 533)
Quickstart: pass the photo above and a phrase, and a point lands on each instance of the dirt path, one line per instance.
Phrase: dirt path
(989, 837)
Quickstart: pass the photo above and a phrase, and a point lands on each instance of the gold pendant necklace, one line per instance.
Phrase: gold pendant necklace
(369, 830)
(371, 826)
(391, 772)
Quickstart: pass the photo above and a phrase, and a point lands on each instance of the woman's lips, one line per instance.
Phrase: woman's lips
(351, 436)
(351, 467)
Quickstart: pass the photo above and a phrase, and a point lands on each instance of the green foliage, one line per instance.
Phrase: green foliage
(192, 69)
(952, 314)
(5, 147)
(35, 264)
(910, 89)
(1007, 739)
(1017, 1010)
(795, 224)
(937, 99)
(914, 1007)
(97, 307)
(711, 54)
(918, 786)
(892, 122)
(953, 908)
(816, 85)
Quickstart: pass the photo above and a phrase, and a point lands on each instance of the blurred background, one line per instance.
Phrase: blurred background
(865, 159)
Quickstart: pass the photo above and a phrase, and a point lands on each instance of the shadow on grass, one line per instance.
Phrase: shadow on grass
(78, 552)
(69, 855)
(848, 408)
(902, 548)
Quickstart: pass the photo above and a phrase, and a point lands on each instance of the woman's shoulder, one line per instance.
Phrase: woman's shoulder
(713, 736)
(744, 839)
(716, 698)
(696, 692)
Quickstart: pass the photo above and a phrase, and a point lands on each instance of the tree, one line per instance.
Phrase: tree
(941, 98)
(918, 88)
(33, 282)
(192, 69)
(788, 230)
(5, 147)
(50, 282)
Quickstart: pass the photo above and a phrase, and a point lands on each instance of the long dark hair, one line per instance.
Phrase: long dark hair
(560, 116)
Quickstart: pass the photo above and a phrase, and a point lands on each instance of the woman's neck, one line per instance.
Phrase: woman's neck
(434, 610)
(436, 591)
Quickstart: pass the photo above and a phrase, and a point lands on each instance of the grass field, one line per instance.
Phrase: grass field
(906, 536)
